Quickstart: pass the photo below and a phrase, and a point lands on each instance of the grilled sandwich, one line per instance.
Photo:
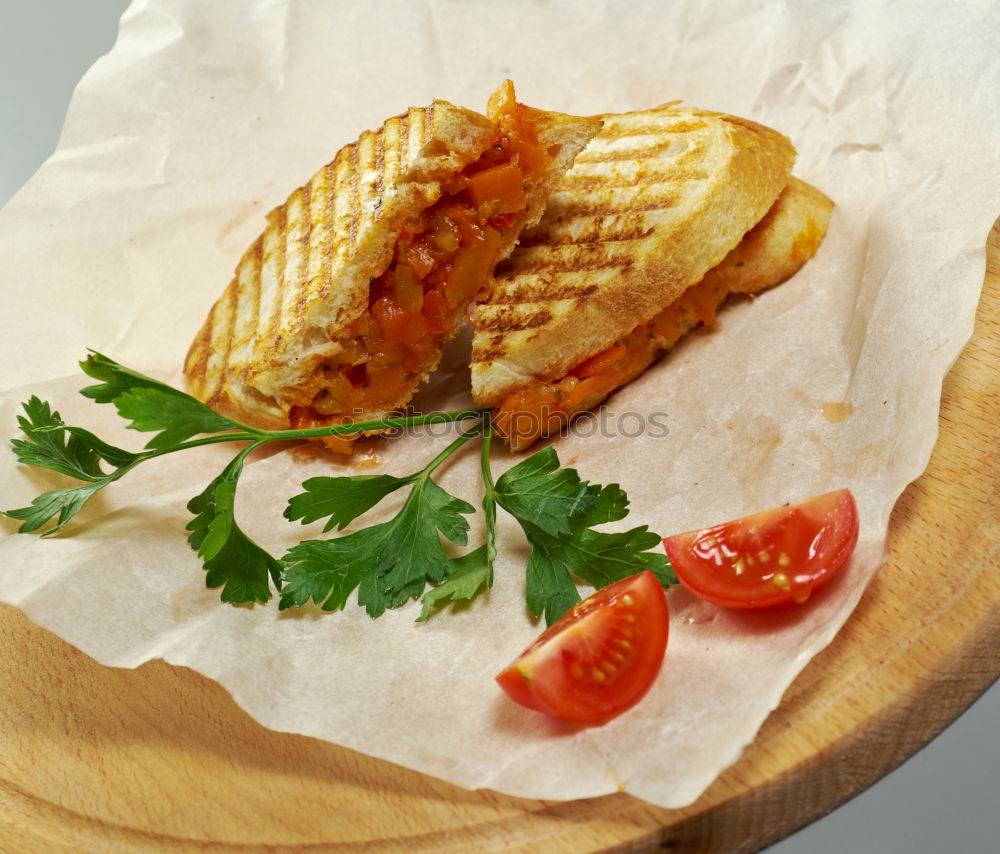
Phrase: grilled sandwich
(340, 308)
(657, 199)
(771, 252)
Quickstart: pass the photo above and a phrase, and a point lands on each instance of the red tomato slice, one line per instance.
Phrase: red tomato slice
(600, 658)
(769, 558)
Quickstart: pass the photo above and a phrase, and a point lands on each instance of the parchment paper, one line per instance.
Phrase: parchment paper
(204, 116)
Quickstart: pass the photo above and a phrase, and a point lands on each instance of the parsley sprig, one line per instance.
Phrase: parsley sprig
(387, 563)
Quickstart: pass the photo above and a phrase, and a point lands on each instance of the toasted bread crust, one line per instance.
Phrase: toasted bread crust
(656, 199)
(771, 252)
(776, 247)
(307, 275)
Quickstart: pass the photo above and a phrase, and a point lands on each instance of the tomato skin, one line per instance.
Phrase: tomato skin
(770, 558)
(597, 660)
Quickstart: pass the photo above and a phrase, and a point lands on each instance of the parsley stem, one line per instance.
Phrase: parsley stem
(471, 433)
(262, 437)
(398, 422)
(249, 434)
(489, 497)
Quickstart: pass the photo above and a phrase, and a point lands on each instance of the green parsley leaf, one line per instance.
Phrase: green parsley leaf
(343, 499)
(610, 505)
(233, 561)
(562, 552)
(389, 563)
(151, 405)
(465, 577)
(550, 587)
(73, 451)
(48, 446)
(598, 557)
(537, 489)
(66, 502)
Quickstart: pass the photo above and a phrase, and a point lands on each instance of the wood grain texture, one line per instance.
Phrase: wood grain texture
(159, 759)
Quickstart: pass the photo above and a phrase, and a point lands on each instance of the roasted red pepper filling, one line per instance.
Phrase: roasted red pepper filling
(544, 407)
(443, 259)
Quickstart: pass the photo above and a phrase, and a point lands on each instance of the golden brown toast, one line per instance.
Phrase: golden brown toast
(656, 199)
(771, 252)
(298, 324)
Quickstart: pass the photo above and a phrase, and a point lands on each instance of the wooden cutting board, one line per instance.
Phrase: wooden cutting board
(160, 759)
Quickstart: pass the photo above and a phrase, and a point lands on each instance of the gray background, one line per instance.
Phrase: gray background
(944, 799)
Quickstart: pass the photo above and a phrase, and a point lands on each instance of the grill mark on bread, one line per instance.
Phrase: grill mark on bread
(549, 265)
(430, 125)
(415, 134)
(487, 354)
(367, 158)
(401, 132)
(580, 208)
(196, 364)
(378, 183)
(520, 294)
(324, 246)
(268, 306)
(390, 153)
(646, 152)
(509, 320)
(623, 182)
(305, 239)
(596, 234)
(232, 299)
(355, 193)
(623, 127)
(288, 279)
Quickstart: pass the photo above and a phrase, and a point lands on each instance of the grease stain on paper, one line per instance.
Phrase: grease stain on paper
(836, 411)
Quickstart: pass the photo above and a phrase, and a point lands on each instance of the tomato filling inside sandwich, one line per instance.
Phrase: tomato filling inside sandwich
(543, 408)
(443, 259)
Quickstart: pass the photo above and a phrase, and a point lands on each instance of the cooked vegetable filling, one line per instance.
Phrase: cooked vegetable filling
(544, 407)
(442, 260)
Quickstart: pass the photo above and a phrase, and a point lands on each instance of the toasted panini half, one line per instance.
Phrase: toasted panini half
(771, 252)
(657, 199)
(340, 308)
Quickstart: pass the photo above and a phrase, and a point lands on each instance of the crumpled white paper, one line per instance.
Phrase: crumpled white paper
(204, 116)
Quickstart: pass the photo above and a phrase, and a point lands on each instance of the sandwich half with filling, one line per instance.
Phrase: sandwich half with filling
(664, 214)
(339, 310)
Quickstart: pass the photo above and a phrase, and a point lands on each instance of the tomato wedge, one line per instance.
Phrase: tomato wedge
(600, 658)
(769, 558)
